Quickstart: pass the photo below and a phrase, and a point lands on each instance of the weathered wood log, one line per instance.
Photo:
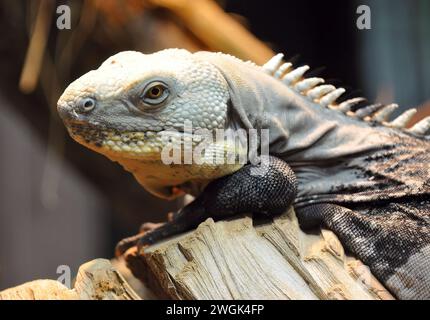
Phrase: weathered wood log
(236, 260)
(231, 259)
(96, 280)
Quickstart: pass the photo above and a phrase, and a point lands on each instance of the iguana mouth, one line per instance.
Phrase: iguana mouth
(124, 144)
(139, 145)
(153, 145)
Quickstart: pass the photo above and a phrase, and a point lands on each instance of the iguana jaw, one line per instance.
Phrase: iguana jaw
(141, 153)
(144, 145)
(138, 145)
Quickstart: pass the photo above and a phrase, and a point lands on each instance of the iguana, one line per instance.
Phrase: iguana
(342, 165)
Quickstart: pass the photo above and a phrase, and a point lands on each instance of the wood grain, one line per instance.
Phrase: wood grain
(236, 260)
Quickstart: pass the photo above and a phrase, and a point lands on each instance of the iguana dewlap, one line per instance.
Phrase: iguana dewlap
(343, 165)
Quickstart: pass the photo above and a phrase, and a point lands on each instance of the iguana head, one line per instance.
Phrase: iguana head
(120, 108)
(123, 109)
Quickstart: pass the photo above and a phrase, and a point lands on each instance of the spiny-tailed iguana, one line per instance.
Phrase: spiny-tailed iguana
(365, 178)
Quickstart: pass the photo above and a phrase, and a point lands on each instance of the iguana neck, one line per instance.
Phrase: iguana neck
(300, 130)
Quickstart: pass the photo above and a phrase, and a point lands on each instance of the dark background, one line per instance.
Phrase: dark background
(63, 204)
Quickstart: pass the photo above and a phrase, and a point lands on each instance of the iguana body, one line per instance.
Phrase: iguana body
(366, 179)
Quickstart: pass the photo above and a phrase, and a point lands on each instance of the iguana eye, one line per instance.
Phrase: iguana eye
(155, 93)
(87, 104)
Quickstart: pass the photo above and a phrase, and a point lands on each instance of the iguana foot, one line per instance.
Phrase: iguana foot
(132, 241)
(127, 243)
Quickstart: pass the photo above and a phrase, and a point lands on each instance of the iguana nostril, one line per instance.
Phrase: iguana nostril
(87, 104)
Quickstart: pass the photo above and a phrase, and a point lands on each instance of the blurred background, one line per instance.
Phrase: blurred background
(61, 204)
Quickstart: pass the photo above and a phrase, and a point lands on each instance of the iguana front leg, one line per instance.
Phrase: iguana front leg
(266, 189)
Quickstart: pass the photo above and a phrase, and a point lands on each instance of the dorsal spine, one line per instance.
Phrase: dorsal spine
(327, 95)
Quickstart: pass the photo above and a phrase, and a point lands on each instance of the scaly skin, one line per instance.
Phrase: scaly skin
(358, 174)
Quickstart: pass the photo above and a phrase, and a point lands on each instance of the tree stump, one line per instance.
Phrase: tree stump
(233, 259)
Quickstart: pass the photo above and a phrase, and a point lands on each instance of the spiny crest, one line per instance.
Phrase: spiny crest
(326, 95)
